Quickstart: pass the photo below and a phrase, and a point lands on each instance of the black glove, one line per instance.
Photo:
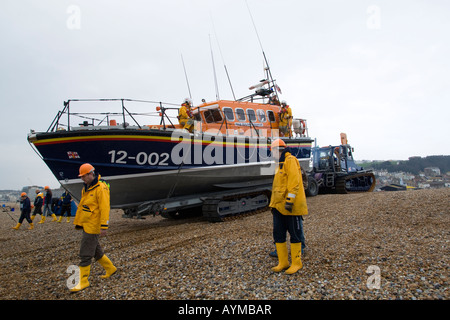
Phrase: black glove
(288, 206)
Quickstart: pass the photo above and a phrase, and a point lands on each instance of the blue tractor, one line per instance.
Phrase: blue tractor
(335, 171)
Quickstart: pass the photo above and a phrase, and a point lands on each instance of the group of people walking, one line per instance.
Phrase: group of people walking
(92, 217)
(43, 205)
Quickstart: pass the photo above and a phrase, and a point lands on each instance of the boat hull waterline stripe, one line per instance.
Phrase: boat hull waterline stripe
(156, 139)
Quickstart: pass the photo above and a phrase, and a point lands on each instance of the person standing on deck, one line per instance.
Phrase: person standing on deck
(285, 120)
(185, 116)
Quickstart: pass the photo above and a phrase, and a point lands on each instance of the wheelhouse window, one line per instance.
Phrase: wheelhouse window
(229, 115)
(251, 115)
(240, 114)
(261, 115)
(271, 115)
(212, 116)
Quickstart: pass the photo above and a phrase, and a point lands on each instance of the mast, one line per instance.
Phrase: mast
(214, 69)
(269, 73)
(185, 74)
(221, 55)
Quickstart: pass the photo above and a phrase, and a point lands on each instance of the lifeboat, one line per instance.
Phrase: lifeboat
(144, 164)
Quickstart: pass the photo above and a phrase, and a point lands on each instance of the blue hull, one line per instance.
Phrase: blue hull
(146, 165)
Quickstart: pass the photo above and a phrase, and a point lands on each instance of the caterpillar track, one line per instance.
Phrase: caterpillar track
(358, 182)
(229, 207)
(237, 200)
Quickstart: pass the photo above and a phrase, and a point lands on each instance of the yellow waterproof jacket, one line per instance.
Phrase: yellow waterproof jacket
(39, 200)
(93, 210)
(285, 116)
(288, 187)
(183, 113)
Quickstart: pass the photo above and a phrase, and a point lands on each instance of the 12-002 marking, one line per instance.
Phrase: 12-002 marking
(142, 158)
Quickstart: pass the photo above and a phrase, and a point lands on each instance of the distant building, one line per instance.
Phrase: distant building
(432, 171)
(437, 184)
(31, 190)
(9, 195)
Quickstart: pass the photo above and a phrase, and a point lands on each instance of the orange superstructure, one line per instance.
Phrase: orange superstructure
(237, 118)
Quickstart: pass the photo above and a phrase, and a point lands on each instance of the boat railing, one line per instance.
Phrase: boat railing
(64, 120)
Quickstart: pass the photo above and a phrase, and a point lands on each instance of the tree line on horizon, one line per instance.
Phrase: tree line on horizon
(413, 165)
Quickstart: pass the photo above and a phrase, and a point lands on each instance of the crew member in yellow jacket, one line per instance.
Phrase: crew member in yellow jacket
(185, 116)
(93, 217)
(285, 115)
(288, 203)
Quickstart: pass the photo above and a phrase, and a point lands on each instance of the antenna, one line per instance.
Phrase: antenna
(262, 49)
(221, 55)
(214, 69)
(254, 26)
(185, 74)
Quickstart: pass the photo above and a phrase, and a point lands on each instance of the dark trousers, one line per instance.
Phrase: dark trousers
(90, 248)
(37, 209)
(65, 210)
(25, 215)
(283, 224)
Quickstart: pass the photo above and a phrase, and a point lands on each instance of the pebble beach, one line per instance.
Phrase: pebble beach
(368, 246)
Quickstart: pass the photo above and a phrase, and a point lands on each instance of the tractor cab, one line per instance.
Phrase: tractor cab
(334, 159)
(346, 159)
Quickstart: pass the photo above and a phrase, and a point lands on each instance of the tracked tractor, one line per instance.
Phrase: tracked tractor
(335, 171)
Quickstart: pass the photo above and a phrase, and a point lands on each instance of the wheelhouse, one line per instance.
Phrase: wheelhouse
(237, 118)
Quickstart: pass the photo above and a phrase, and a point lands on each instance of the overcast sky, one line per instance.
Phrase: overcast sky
(377, 70)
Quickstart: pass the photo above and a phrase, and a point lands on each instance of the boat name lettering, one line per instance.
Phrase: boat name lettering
(142, 158)
(244, 124)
